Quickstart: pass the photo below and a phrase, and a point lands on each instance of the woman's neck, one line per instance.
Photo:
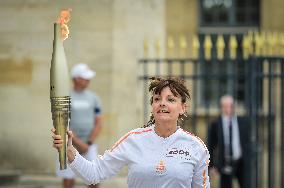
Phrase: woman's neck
(165, 129)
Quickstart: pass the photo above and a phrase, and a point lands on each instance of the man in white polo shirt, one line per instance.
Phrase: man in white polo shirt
(85, 121)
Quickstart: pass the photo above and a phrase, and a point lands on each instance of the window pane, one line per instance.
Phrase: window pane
(240, 3)
(208, 18)
(222, 13)
(223, 17)
(247, 12)
(240, 16)
(215, 12)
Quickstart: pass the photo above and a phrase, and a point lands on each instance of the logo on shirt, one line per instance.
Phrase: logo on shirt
(181, 153)
(161, 167)
(80, 104)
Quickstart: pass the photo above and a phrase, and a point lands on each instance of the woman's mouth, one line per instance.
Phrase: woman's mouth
(163, 111)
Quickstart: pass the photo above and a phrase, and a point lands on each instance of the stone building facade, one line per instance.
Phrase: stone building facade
(106, 34)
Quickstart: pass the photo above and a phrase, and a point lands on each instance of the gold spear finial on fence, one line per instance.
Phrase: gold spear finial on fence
(268, 43)
(278, 45)
(220, 45)
(207, 47)
(250, 38)
(246, 47)
(281, 44)
(182, 45)
(170, 46)
(195, 47)
(258, 40)
(158, 47)
(274, 43)
(233, 45)
(146, 47)
(265, 44)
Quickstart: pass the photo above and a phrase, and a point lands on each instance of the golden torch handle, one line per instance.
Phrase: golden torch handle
(60, 108)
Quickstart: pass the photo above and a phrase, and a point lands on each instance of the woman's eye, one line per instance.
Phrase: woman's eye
(171, 100)
(156, 99)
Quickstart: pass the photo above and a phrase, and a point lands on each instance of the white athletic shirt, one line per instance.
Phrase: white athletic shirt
(178, 161)
(85, 106)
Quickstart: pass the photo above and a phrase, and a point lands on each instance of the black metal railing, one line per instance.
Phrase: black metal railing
(258, 87)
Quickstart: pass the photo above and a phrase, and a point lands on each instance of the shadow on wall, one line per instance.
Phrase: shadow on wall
(15, 72)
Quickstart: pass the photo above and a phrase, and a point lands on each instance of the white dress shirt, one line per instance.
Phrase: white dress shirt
(236, 144)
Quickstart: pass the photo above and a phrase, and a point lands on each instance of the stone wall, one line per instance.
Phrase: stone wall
(106, 34)
(271, 14)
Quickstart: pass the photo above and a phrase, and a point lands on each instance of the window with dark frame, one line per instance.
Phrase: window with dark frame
(229, 13)
(226, 74)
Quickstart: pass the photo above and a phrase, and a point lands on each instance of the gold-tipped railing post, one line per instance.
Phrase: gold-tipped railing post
(265, 43)
(233, 45)
(207, 47)
(145, 48)
(271, 41)
(183, 46)
(170, 46)
(250, 40)
(278, 44)
(246, 47)
(274, 43)
(259, 40)
(195, 47)
(158, 47)
(282, 44)
(220, 46)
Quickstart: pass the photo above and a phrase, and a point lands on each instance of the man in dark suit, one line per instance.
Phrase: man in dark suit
(228, 144)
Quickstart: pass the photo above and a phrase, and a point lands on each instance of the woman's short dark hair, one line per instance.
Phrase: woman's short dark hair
(176, 85)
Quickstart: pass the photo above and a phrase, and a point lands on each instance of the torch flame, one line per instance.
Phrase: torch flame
(63, 19)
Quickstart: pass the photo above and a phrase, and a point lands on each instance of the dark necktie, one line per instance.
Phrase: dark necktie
(230, 138)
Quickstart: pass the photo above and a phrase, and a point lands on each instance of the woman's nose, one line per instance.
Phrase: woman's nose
(162, 103)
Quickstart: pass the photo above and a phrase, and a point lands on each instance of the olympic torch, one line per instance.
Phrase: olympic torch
(59, 84)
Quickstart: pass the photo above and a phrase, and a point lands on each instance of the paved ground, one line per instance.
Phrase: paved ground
(50, 181)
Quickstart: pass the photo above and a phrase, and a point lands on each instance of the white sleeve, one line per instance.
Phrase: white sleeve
(200, 177)
(103, 167)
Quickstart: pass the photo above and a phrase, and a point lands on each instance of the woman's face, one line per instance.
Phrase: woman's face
(167, 107)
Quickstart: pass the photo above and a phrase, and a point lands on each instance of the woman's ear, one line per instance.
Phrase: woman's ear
(184, 106)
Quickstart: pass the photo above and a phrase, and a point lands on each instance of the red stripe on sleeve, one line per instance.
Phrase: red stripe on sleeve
(126, 136)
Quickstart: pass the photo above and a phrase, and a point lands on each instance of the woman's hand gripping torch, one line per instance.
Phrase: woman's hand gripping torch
(59, 84)
(58, 142)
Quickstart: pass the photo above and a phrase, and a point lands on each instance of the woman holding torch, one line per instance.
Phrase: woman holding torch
(161, 154)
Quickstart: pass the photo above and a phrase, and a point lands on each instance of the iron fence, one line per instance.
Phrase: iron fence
(256, 84)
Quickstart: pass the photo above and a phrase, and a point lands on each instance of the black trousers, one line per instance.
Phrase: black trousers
(226, 180)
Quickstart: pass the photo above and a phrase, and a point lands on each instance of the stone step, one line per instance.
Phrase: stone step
(9, 177)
